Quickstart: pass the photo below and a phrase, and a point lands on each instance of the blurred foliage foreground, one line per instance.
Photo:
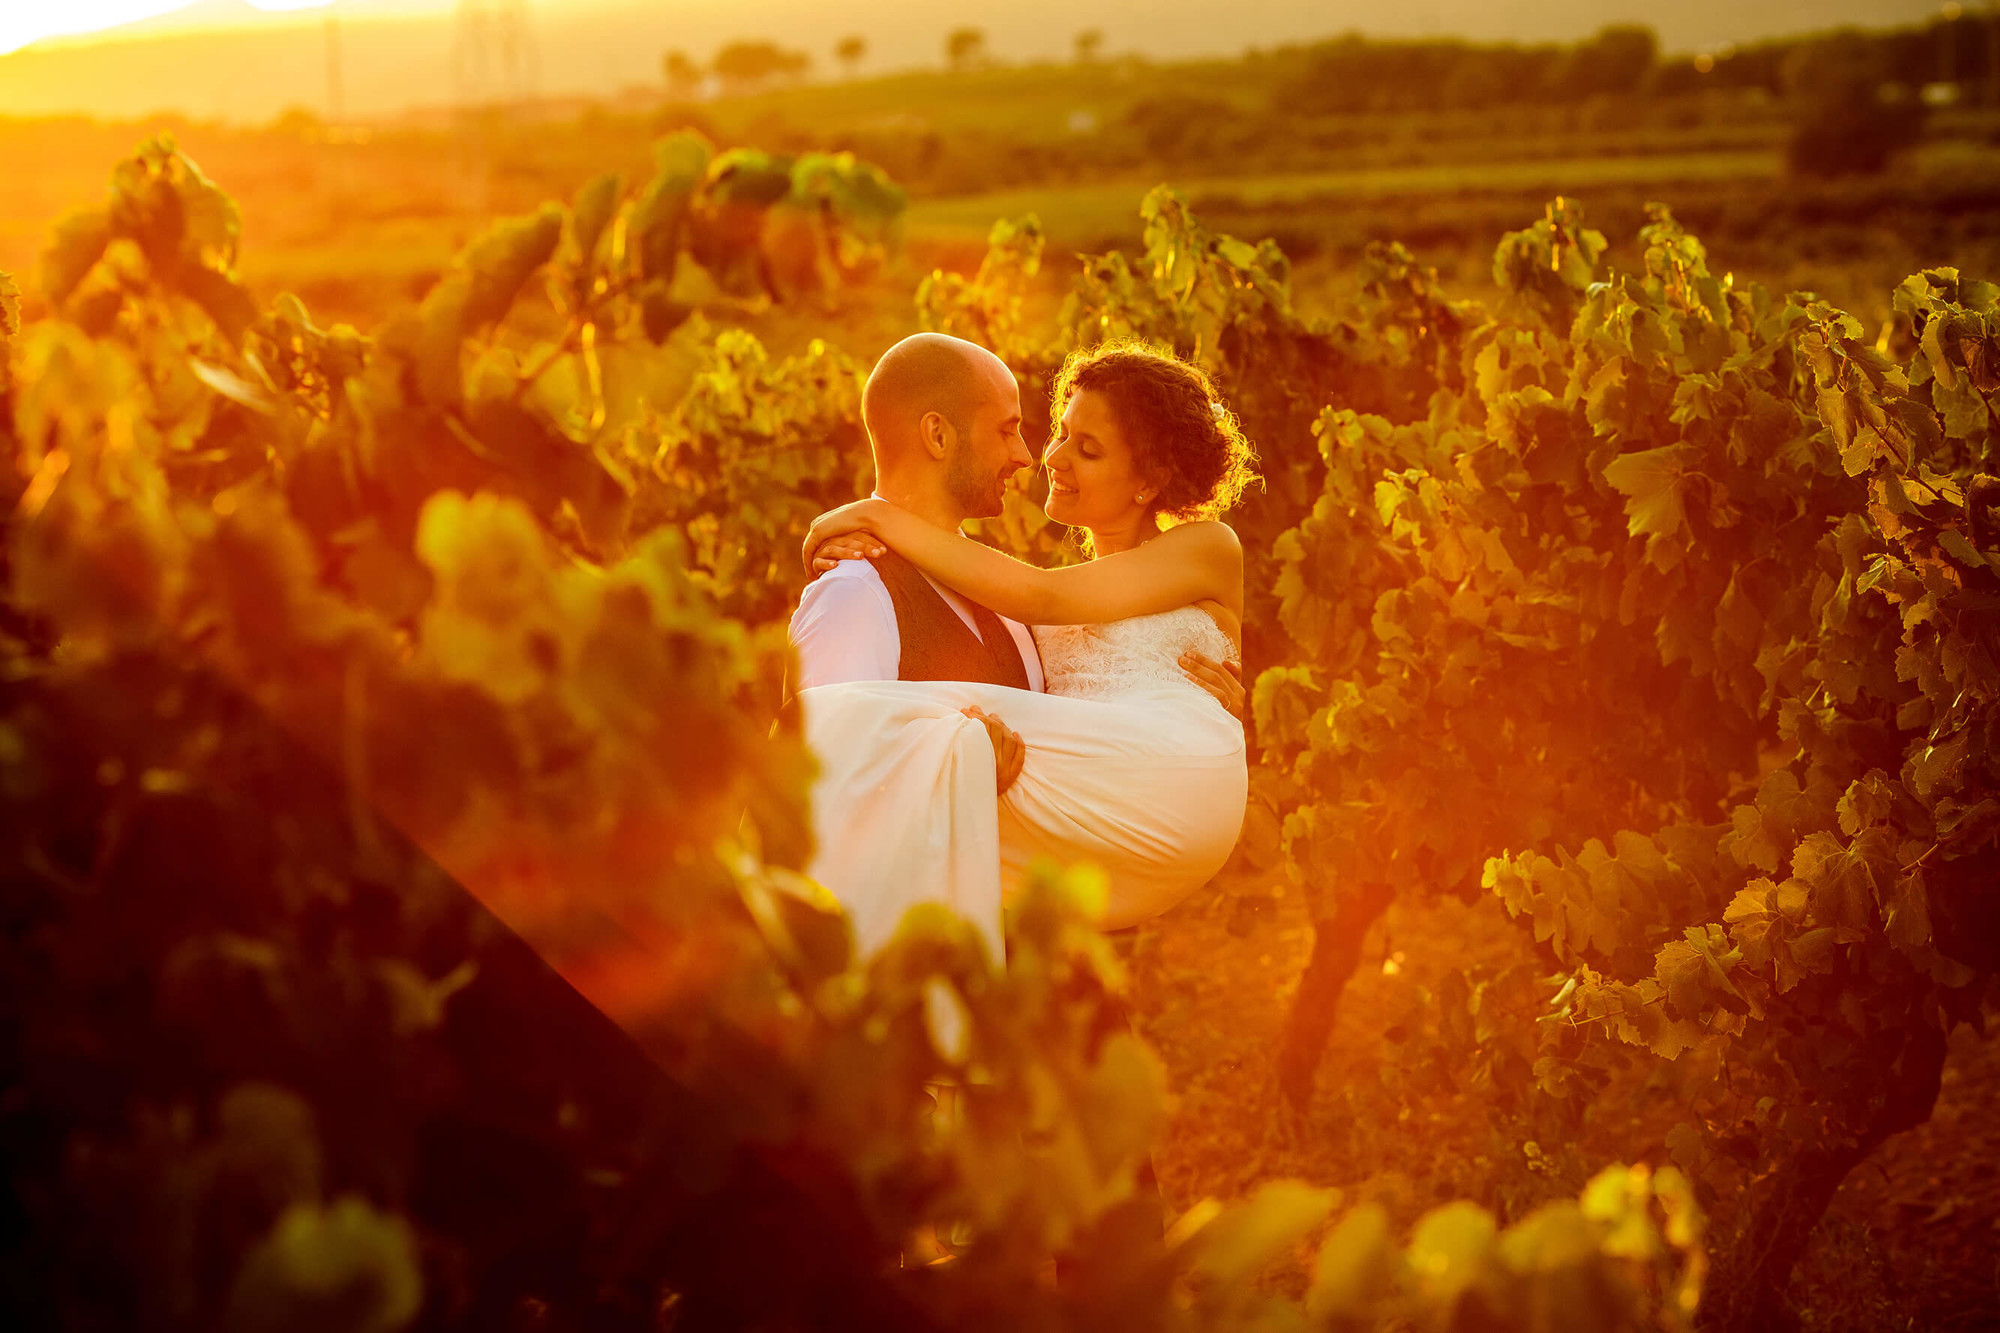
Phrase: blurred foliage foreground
(308, 633)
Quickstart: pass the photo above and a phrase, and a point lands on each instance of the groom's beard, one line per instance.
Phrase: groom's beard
(976, 492)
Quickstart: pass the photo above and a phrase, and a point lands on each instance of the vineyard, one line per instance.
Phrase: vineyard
(405, 918)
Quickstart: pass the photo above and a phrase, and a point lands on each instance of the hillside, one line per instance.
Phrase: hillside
(221, 58)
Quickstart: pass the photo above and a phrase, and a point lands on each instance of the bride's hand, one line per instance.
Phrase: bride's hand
(853, 546)
(849, 518)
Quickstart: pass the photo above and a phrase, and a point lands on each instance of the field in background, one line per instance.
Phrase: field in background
(354, 219)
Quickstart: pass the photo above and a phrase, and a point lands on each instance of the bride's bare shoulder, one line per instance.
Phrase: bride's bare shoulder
(1207, 536)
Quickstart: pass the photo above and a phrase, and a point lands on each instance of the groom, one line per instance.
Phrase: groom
(944, 423)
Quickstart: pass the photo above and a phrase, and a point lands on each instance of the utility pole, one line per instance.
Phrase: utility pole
(493, 52)
(1993, 53)
(492, 67)
(469, 51)
(336, 99)
(1948, 41)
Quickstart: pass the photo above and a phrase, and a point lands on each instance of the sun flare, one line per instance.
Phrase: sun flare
(30, 24)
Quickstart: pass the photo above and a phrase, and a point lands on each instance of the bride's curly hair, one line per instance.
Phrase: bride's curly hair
(1176, 424)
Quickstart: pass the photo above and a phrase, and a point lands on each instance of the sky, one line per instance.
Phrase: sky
(22, 23)
(246, 60)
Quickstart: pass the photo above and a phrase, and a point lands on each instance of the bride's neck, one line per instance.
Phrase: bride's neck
(1112, 540)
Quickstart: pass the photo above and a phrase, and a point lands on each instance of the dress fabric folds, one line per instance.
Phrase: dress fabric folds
(1129, 766)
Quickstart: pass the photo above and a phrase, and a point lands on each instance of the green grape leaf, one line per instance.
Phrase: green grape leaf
(748, 177)
(1252, 1233)
(1934, 766)
(346, 1266)
(1239, 254)
(1764, 834)
(1356, 1268)
(1683, 973)
(79, 243)
(436, 341)
(1868, 800)
(1123, 1103)
(500, 262)
(1557, 1240)
(596, 203)
(1450, 1250)
(1907, 921)
(658, 222)
(659, 313)
(1958, 548)
(225, 300)
(1844, 881)
(1719, 958)
(1753, 920)
(1655, 482)
(1750, 840)
(267, 1133)
(1607, 399)
(1812, 950)
(1688, 1146)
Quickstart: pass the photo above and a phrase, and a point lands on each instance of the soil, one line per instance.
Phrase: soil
(1912, 1241)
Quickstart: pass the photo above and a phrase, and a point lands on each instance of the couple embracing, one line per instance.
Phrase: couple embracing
(972, 712)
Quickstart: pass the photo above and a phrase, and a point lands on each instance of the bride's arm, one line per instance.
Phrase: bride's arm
(1186, 564)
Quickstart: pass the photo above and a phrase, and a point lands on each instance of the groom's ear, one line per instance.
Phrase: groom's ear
(936, 433)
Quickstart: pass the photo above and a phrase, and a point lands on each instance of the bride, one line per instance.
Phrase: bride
(1128, 764)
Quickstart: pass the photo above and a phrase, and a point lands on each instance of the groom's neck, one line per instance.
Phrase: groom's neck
(927, 503)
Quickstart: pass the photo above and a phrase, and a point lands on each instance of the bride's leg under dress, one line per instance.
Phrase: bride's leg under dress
(1149, 789)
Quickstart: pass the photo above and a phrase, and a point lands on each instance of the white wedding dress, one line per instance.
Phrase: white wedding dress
(1130, 766)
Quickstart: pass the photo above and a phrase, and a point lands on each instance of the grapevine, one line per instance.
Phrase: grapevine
(405, 842)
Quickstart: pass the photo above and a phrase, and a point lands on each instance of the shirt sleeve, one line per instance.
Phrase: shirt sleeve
(845, 628)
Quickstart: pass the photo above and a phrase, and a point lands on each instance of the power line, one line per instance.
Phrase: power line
(493, 52)
(336, 93)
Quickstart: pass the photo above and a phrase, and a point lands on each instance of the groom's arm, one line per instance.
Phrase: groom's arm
(845, 628)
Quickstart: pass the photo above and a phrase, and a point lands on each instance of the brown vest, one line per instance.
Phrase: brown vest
(936, 643)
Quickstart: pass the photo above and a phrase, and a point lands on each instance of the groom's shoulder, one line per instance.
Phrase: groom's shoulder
(849, 586)
(849, 574)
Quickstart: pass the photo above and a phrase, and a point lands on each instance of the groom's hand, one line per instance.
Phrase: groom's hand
(1224, 680)
(1009, 754)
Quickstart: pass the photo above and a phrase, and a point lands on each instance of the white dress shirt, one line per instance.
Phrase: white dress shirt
(845, 629)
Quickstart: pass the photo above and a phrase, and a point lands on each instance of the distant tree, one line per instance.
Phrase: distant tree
(965, 48)
(1617, 60)
(850, 53)
(1829, 67)
(1181, 124)
(1475, 77)
(1848, 117)
(684, 76)
(297, 122)
(745, 65)
(1089, 44)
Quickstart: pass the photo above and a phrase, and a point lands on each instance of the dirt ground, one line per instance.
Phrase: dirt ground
(1912, 1241)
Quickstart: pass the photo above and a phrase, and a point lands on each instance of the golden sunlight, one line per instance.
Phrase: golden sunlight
(78, 17)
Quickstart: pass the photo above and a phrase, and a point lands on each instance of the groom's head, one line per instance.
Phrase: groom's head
(944, 420)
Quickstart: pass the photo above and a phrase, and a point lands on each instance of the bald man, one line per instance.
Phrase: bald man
(944, 423)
